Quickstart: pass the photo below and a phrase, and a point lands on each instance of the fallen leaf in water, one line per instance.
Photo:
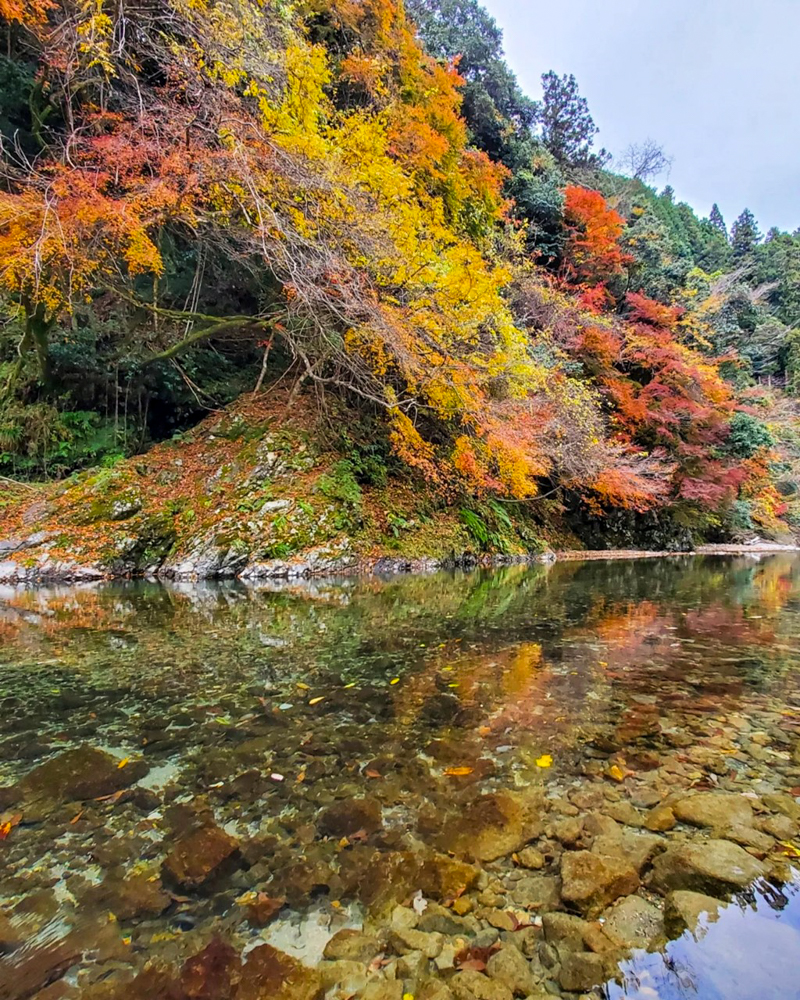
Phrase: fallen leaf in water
(8, 825)
(352, 684)
(484, 730)
(276, 777)
(615, 772)
(76, 818)
(114, 796)
(123, 762)
(395, 680)
(789, 849)
(544, 761)
(301, 777)
(458, 772)
(370, 773)
(419, 903)
(316, 701)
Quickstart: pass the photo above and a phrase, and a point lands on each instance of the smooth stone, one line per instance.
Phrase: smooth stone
(509, 967)
(746, 836)
(198, 855)
(660, 819)
(494, 825)
(715, 867)
(637, 849)
(349, 816)
(537, 892)
(592, 881)
(352, 946)
(470, 985)
(714, 809)
(80, 774)
(529, 857)
(583, 970)
(270, 974)
(404, 941)
(633, 922)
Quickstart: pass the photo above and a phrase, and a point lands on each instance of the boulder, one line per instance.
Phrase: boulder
(714, 809)
(633, 922)
(683, 910)
(590, 882)
(198, 855)
(564, 929)
(715, 867)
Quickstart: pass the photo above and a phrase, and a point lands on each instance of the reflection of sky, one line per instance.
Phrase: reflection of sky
(749, 953)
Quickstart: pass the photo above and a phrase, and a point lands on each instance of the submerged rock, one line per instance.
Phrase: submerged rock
(592, 881)
(79, 774)
(494, 825)
(129, 898)
(352, 946)
(509, 967)
(198, 855)
(633, 922)
(683, 910)
(469, 985)
(714, 809)
(716, 867)
(350, 816)
(269, 974)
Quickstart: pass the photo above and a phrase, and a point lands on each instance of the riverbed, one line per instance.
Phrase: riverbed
(579, 779)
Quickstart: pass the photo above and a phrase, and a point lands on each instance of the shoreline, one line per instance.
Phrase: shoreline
(321, 563)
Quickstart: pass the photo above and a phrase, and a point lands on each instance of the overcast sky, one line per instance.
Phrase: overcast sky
(716, 82)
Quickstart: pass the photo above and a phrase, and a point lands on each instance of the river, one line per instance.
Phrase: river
(580, 780)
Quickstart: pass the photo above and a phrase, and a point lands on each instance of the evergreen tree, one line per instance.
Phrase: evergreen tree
(568, 129)
(744, 235)
(717, 221)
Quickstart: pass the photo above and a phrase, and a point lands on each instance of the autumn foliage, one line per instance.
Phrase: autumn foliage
(322, 156)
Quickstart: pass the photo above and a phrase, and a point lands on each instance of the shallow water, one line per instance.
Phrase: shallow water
(271, 712)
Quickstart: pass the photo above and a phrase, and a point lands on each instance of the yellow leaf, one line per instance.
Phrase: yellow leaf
(458, 772)
(615, 772)
(544, 761)
(302, 686)
(316, 701)
(395, 680)
(123, 762)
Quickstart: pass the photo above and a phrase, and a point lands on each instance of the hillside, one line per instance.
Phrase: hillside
(279, 278)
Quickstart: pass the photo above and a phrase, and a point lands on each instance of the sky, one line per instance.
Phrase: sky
(715, 82)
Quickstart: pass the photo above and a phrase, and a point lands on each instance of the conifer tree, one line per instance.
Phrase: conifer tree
(745, 235)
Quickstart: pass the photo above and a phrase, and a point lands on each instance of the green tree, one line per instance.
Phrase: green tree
(568, 129)
(717, 221)
(745, 236)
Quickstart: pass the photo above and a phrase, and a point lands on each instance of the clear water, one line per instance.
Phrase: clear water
(259, 708)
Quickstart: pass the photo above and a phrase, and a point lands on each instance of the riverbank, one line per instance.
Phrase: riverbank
(255, 495)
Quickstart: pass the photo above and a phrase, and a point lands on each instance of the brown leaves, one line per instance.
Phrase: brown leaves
(475, 959)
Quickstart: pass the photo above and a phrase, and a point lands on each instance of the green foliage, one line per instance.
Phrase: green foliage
(744, 236)
(747, 435)
(40, 440)
(490, 526)
(341, 485)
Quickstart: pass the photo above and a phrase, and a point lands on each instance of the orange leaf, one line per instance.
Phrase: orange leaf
(458, 772)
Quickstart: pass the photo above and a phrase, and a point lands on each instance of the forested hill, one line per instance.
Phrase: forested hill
(352, 207)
